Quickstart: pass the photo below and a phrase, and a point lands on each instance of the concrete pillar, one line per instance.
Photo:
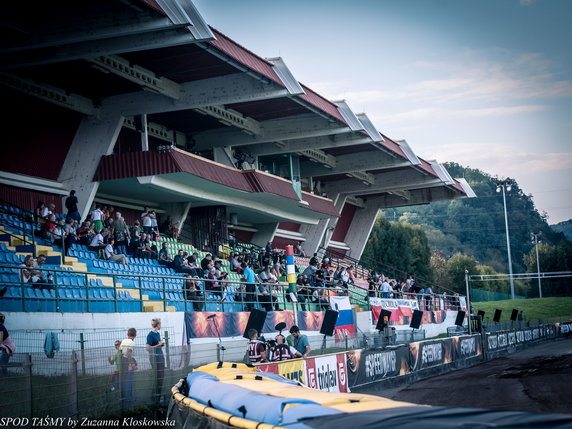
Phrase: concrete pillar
(264, 234)
(177, 211)
(360, 228)
(94, 138)
(223, 155)
(319, 235)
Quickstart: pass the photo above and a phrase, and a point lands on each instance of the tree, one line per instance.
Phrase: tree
(553, 258)
(456, 267)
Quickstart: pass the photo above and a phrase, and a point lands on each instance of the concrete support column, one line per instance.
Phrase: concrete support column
(360, 228)
(264, 234)
(319, 235)
(177, 211)
(94, 138)
(223, 155)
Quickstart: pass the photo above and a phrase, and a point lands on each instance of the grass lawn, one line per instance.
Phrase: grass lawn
(534, 308)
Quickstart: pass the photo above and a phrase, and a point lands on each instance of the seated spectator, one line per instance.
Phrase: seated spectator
(301, 293)
(319, 296)
(267, 297)
(351, 275)
(193, 292)
(58, 233)
(85, 233)
(145, 249)
(314, 260)
(38, 212)
(97, 243)
(319, 278)
(46, 278)
(277, 270)
(267, 276)
(164, 256)
(112, 256)
(235, 265)
(180, 265)
(30, 274)
(70, 230)
(48, 228)
(212, 285)
(310, 270)
(326, 264)
(220, 274)
(174, 230)
(206, 263)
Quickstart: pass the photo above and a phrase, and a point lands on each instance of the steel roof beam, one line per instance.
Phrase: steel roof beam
(302, 126)
(363, 161)
(324, 142)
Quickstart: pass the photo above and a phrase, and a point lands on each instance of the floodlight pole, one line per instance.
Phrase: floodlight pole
(468, 299)
(535, 235)
(502, 186)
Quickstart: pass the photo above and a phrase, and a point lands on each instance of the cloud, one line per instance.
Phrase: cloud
(507, 160)
(435, 113)
(527, 2)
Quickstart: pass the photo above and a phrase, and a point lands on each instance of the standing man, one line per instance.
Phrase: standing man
(256, 349)
(128, 365)
(299, 342)
(249, 278)
(154, 347)
(71, 205)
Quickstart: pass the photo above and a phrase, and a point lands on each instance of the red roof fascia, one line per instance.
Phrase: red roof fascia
(325, 105)
(392, 146)
(150, 163)
(244, 56)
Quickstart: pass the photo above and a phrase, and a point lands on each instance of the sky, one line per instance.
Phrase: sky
(484, 83)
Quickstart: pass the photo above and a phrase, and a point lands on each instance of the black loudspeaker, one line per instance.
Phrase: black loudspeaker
(482, 314)
(514, 314)
(416, 319)
(382, 322)
(255, 321)
(329, 323)
(460, 318)
(497, 315)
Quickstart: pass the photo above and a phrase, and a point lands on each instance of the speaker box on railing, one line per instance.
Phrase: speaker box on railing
(329, 323)
(496, 317)
(482, 314)
(416, 319)
(384, 317)
(514, 314)
(255, 321)
(460, 318)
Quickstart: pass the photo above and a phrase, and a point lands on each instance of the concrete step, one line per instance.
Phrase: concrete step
(153, 306)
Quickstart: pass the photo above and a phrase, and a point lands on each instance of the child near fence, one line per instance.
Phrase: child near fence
(115, 359)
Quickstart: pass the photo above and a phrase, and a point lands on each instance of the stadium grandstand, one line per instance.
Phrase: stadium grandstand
(144, 110)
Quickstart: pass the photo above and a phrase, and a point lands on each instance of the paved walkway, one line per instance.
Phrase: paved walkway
(537, 379)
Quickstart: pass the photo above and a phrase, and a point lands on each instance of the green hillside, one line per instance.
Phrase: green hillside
(564, 227)
(534, 308)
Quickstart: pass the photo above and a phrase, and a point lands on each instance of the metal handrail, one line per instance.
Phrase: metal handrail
(140, 278)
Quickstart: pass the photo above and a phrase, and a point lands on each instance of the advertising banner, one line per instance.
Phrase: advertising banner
(566, 328)
(327, 373)
(294, 370)
(399, 308)
(367, 366)
(502, 340)
(345, 324)
(198, 325)
(425, 354)
(466, 346)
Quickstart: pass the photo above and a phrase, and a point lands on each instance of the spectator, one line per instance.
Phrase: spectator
(38, 212)
(386, 289)
(277, 270)
(71, 205)
(70, 231)
(7, 347)
(299, 342)
(145, 248)
(266, 276)
(120, 232)
(146, 220)
(310, 270)
(301, 293)
(174, 230)
(193, 292)
(314, 260)
(28, 273)
(46, 278)
(235, 265)
(164, 256)
(267, 297)
(298, 251)
(154, 226)
(269, 247)
(206, 262)
(48, 228)
(128, 365)
(97, 243)
(212, 285)
(428, 298)
(250, 288)
(320, 297)
(85, 233)
(112, 256)
(97, 218)
(154, 346)
(344, 276)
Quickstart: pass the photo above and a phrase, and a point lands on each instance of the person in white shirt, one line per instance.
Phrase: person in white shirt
(386, 289)
(128, 364)
(97, 242)
(146, 220)
(112, 256)
(97, 218)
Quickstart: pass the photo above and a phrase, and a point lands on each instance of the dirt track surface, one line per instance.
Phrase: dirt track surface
(537, 379)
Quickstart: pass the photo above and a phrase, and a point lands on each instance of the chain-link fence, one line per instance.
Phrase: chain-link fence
(34, 385)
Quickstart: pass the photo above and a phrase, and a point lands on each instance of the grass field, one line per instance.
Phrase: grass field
(534, 308)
